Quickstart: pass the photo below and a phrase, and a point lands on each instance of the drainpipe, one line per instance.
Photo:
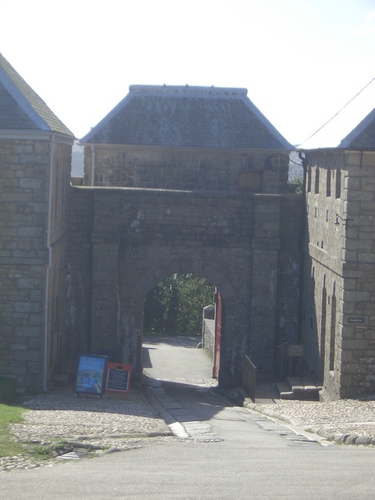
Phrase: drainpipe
(49, 260)
(93, 159)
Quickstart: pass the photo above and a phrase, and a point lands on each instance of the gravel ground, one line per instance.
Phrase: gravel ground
(73, 427)
(346, 421)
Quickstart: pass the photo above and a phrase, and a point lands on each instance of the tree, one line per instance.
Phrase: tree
(174, 305)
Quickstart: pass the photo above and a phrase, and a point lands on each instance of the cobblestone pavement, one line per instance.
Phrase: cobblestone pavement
(66, 427)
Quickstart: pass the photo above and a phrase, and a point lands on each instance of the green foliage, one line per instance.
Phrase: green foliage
(40, 451)
(9, 415)
(297, 178)
(174, 305)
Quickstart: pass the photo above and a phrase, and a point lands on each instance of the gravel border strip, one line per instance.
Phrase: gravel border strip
(349, 439)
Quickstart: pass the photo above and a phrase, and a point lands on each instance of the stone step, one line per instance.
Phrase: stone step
(298, 388)
(285, 391)
(283, 386)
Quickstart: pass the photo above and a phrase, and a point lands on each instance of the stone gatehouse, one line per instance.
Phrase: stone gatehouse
(185, 179)
(192, 180)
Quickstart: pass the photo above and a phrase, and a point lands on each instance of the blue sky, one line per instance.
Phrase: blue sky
(301, 61)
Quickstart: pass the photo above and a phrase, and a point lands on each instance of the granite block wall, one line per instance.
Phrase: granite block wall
(339, 278)
(24, 186)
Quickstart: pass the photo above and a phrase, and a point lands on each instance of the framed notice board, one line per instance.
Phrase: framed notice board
(118, 378)
(90, 376)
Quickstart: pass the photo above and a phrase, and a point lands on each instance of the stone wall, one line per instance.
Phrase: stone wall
(178, 169)
(208, 336)
(24, 187)
(339, 325)
(123, 241)
(208, 330)
(288, 278)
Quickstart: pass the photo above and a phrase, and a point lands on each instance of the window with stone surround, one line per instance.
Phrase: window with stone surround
(309, 180)
(316, 180)
(338, 183)
(328, 182)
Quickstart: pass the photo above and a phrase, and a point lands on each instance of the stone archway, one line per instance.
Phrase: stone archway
(141, 268)
(239, 242)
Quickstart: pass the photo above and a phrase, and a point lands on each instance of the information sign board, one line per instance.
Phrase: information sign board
(118, 378)
(90, 376)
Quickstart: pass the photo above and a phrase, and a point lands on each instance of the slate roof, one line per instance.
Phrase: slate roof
(353, 127)
(184, 116)
(21, 108)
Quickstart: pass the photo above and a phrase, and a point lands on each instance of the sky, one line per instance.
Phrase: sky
(301, 61)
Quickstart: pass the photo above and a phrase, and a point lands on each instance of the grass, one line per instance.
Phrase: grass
(40, 452)
(9, 415)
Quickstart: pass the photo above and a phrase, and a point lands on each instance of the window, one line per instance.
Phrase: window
(338, 183)
(328, 182)
(309, 180)
(316, 179)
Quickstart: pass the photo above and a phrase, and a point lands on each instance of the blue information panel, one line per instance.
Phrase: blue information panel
(91, 373)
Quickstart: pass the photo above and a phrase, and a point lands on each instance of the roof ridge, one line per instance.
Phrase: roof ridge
(188, 90)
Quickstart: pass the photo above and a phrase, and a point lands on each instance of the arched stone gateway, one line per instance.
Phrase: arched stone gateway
(186, 180)
(138, 237)
(141, 270)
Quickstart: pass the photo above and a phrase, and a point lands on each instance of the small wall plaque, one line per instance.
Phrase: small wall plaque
(356, 319)
(295, 351)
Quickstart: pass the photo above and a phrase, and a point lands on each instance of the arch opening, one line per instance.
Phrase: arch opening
(178, 341)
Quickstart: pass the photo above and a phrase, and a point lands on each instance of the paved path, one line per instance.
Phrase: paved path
(187, 397)
(346, 421)
(228, 453)
(177, 359)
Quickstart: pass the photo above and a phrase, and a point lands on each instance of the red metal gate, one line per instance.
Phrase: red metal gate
(219, 309)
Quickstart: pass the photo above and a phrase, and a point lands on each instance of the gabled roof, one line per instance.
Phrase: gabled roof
(21, 108)
(184, 116)
(353, 127)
